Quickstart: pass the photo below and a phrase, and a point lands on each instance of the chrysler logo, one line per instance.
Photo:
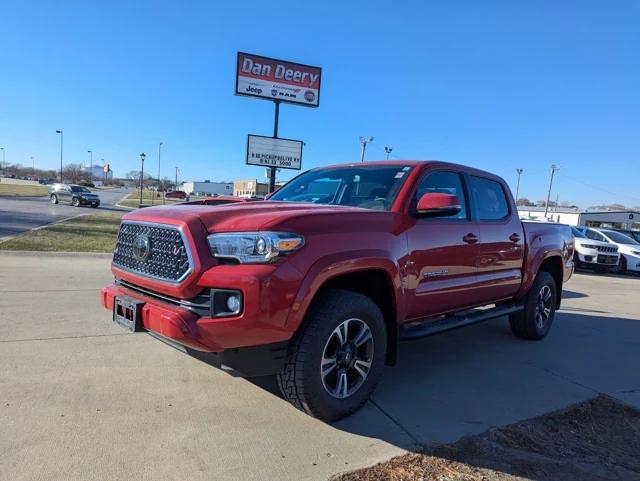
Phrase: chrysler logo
(141, 248)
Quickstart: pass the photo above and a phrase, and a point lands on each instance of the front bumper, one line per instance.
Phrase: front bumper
(593, 257)
(633, 262)
(91, 202)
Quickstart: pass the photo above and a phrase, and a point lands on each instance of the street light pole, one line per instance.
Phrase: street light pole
(519, 171)
(142, 157)
(33, 165)
(90, 165)
(387, 150)
(364, 141)
(554, 167)
(105, 173)
(3, 162)
(61, 144)
(176, 187)
(158, 187)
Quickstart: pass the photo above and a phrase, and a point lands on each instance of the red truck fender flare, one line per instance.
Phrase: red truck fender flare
(533, 267)
(341, 263)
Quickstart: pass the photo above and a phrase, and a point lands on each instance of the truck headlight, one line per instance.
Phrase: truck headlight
(253, 247)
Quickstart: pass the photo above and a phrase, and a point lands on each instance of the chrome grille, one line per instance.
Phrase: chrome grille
(607, 249)
(168, 259)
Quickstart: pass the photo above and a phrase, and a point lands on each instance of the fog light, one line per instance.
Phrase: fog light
(233, 303)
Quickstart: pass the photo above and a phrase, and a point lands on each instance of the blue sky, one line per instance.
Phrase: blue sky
(495, 84)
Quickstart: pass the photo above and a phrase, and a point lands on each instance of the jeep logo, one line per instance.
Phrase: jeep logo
(253, 90)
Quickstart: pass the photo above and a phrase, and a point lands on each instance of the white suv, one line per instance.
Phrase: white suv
(594, 254)
(629, 248)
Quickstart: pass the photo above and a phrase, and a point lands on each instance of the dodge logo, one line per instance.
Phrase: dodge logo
(141, 248)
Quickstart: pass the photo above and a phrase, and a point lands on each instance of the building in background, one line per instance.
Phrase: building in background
(249, 188)
(97, 172)
(207, 188)
(627, 219)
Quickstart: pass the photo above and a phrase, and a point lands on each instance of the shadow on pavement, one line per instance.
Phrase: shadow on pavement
(467, 381)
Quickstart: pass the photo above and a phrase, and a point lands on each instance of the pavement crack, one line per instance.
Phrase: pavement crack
(417, 443)
(564, 378)
(62, 337)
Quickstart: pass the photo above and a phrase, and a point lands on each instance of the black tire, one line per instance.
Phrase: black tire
(75, 202)
(531, 323)
(54, 199)
(301, 380)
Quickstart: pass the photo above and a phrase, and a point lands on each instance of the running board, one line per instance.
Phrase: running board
(431, 327)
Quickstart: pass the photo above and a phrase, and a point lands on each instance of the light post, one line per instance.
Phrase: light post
(61, 144)
(105, 172)
(364, 141)
(90, 152)
(158, 187)
(554, 167)
(519, 171)
(33, 165)
(142, 157)
(176, 187)
(3, 162)
(387, 150)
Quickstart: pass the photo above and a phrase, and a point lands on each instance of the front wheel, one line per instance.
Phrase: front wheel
(534, 322)
(75, 202)
(54, 199)
(336, 360)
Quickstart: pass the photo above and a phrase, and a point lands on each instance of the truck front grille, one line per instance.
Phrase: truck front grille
(158, 251)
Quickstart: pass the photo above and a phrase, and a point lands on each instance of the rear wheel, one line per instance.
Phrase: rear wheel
(534, 322)
(337, 358)
(54, 199)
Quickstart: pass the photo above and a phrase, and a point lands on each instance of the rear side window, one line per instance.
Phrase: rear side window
(443, 182)
(491, 202)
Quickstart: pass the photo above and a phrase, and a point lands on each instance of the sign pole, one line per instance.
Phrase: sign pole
(272, 169)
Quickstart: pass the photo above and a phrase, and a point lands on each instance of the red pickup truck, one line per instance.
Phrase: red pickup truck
(319, 283)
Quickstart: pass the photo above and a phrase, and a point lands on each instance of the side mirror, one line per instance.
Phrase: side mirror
(434, 204)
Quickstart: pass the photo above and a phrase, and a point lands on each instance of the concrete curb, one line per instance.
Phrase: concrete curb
(94, 255)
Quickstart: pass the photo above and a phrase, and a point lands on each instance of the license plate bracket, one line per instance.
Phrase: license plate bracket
(127, 312)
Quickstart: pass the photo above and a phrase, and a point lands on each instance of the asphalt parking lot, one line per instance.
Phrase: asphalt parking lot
(80, 399)
(19, 214)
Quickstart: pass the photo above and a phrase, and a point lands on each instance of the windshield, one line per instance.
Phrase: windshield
(77, 188)
(577, 233)
(620, 238)
(370, 187)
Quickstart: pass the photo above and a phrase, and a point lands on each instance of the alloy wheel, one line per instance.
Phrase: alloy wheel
(347, 358)
(543, 306)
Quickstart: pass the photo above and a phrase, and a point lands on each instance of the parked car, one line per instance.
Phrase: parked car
(629, 248)
(594, 254)
(320, 282)
(176, 194)
(634, 234)
(217, 200)
(76, 195)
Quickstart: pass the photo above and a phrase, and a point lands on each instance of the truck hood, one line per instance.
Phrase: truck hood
(266, 215)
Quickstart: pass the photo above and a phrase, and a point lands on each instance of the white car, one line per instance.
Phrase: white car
(629, 248)
(600, 256)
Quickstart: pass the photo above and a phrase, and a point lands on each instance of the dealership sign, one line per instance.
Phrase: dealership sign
(272, 79)
(272, 152)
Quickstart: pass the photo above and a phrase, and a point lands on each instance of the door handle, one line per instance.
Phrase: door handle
(514, 237)
(470, 238)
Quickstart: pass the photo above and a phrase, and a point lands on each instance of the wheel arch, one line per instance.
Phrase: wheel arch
(375, 277)
(554, 266)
